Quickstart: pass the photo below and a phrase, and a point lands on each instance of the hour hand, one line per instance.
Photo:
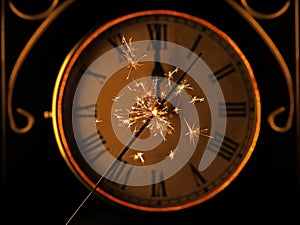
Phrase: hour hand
(157, 70)
(157, 74)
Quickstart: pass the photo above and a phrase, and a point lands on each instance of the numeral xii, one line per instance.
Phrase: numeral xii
(157, 31)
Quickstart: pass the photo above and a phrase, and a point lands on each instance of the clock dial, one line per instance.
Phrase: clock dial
(156, 110)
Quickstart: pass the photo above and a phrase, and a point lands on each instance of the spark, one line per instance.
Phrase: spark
(203, 132)
(193, 132)
(147, 107)
(177, 109)
(170, 75)
(129, 54)
(196, 99)
(184, 85)
(138, 156)
(117, 98)
(171, 154)
(98, 121)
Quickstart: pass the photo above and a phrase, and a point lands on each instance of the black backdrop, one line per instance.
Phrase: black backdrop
(37, 185)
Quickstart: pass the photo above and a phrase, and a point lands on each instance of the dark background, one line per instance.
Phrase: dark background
(37, 186)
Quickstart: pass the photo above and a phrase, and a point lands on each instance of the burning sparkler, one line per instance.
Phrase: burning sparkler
(150, 109)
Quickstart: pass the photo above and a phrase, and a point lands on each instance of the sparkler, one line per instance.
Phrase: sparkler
(149, 109)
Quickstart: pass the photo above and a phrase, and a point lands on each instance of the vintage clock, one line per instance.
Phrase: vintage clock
(151, 112)
(156, 110)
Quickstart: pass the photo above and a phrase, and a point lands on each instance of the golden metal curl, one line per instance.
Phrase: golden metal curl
(30, 119)
(266, 16)
(287, 75)
(37, 16)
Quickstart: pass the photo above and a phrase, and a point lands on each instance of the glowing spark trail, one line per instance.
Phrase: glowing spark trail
(171, 154)
(193, 132)
(129, 54)
(184, 85)
(138, 156)
(196, 99)
(98, 121)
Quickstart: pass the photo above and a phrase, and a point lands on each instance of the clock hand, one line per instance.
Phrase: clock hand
(157, 71)
(180, 79)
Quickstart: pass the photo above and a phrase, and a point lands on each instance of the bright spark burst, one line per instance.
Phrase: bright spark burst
(170, 75)
(171, 154)
(196, 99)
(176, 110)
(193, 132)
(204, 132)
(138, 156)
(147, 107)
(184, 85)
(98, 121)
(129, 54)
(117, 98)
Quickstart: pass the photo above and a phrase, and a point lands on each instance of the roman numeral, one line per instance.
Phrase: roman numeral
(119, 172)
(158, 31)
(232, 109)
(223, 72)
(199, 179)
(85, 111)
(99, 77)
(227, 147)
(158, 189)
(93, 146)
(194, 46)
(116, 41)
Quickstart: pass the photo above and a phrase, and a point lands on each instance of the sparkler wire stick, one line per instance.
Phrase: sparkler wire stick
(110, 168)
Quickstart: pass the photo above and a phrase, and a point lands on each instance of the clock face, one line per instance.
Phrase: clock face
(156, 110)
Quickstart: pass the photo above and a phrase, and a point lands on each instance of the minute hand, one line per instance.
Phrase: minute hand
(180, 79)
(157, 70)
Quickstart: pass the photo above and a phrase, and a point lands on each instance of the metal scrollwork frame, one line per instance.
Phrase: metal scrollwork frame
(49, 16)
(250, 15)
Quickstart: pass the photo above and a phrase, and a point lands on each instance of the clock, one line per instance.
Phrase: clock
(149, 112)
(156, 110)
